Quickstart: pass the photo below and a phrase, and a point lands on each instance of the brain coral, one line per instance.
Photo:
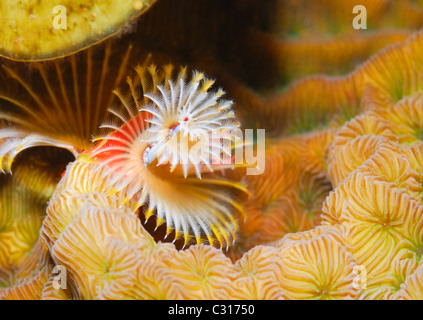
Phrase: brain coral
(30, 32)
(105, 187)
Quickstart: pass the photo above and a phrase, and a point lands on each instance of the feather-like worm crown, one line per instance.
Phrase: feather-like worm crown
(158, 124)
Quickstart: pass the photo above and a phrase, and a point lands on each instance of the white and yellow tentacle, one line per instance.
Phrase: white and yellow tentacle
(13, 141)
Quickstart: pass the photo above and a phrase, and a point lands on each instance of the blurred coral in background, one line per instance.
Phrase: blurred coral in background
(98, 191)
